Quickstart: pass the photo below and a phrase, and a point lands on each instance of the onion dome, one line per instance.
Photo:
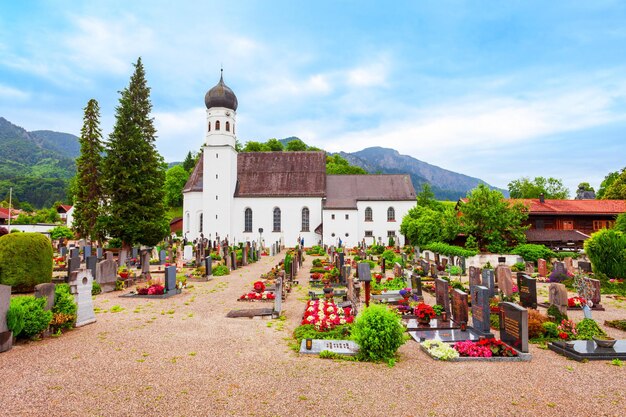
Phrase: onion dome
(221, 96)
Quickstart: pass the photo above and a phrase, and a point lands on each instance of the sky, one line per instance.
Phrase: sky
(491, 89)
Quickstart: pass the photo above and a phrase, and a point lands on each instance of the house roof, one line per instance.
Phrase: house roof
(194, 183)
(281, 174)
(4, 213)
(64, 207)
(571, 207)
(176, 220)
(545, 235)
(343, 191)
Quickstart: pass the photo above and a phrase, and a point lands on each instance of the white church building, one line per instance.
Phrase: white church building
(284, 195)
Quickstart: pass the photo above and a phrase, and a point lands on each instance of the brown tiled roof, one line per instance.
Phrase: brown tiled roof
(194, 183)
(65, 207)
(281, 174)
(4, 213)
(545, 235)
(343, 191)
(570, 207)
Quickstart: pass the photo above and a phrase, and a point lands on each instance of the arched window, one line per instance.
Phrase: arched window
(200, 227)
(228, 126)
(187, 222)
(209, 126)
(368, 214)
(247, 220)
(276, 219)
(305, 219)
(233, 128)
(217, 125)
(391, 214)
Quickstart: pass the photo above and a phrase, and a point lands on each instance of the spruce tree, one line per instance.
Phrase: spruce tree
(134, 171)
(88, 186)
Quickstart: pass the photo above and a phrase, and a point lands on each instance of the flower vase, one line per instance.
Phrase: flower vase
(424, 321)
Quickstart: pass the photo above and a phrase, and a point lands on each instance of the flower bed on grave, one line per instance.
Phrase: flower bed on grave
(380, 285)
(486, 350)
(326, 315)
(259, 293)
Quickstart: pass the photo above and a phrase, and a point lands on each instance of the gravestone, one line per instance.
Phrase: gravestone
(106, 273)
(63, 251)
(208, 266)
(569, 265)
(397, 270)
(527, 288)
(383, 266)
(134, 252)
(529, 267)
(424, 266)
(345, 274)
(74, 252)
(584, 266)
(46, 291)
(162, 257)
(363, 269)
(6, 336)
(170, 278)
(444, 263)
(542, 267)
(417, 252)
(244, 255)
(433, 270)
(474, 276)
(99, 253)
(480, 309)
(595, 285)
(557, 296)
(427, 256)
(233, 260)
(463, 264)
(72, 265)
(145, 262)
(278, 296)
(460, 306)
(416, 284)
(188, 253)
(558, 268)
(86, 252)
(514, 326)
(505, 280)
(91, 263)
(442, 294)
(488, 281)
(80, 286)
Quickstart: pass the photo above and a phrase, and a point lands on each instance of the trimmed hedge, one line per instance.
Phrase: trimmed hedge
(26, 316)
(531, 252)
(606, 250)
(25, 260)
(449, 250)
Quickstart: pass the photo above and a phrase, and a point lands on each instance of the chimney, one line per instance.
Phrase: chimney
(542, 198)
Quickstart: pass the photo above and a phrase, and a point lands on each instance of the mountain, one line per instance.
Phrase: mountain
(447, 185)
(38, 165)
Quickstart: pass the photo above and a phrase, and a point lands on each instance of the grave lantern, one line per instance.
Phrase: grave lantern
(309, 344)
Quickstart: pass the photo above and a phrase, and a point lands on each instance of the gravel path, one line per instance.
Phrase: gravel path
(182, 357)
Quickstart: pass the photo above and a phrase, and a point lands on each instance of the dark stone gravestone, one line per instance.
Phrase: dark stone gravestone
(501, 259)
(557, 296)
(442, 294)
(424, 266)
(383, 266)
(480, 310)
(542, 267)
(505, 280)
(463, 264)
(342, 260)
(437, 259)
(46, 291)
(208, 266)
(86, 252)
(170, 278)
(364, 272)
(6, 336)
(416, 284)
(74, 252)
(106, 273)
(433, 270)
(345, 274)
(73, 265)
(584, 266)
(514, 326)
(233, 260)
(527, 288)
(162, 256)
(99, 253)
(244, 255)
(558, 271)
(460, 306)
(488, 281)
(63, 251)
(474, 276)
(80, 286)
(91, 262)
(134, 252)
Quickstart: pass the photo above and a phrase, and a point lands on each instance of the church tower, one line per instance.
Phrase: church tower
(220, 162)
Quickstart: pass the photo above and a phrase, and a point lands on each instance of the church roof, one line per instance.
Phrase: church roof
(194, 183)
(343, 191)
(281, 174)
(221, 96)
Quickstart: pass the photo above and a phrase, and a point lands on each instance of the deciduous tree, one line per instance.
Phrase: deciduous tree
(551, 188)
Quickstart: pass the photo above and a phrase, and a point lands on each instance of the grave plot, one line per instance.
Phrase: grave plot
(258, 294)
(588, 294)
(156, 288)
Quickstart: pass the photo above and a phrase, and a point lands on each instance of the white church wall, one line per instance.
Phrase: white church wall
(341, 224)
(380, 226)
(192, 205)
(263, 217)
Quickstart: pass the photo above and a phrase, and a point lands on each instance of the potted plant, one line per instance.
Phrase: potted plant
(123, 272)
(424, 313)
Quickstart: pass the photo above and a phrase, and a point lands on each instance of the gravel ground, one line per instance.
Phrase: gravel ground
(182, 357)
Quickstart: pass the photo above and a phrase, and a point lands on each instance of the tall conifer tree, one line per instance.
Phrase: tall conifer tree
(134, 170)
(88, 199)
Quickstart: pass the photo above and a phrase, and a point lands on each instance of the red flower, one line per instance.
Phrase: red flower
(563, 335)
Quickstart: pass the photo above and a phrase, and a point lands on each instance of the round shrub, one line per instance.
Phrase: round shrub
(35, 318)
(606, 250)
(25, 260)
(220, 270)
(15, 318)
(531, 252)
(379, 333)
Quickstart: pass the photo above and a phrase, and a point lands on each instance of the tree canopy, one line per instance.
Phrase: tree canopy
(336, 165)
(551, 188)
(609, 179)
(175, 179)
(617, 188)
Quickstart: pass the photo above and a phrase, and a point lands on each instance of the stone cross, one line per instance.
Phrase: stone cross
(80, 285)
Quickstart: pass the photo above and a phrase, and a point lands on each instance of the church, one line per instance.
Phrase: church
(284, 196)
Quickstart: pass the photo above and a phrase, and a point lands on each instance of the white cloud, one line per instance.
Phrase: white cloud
(10, 93)
(372, 74)
(179, 132)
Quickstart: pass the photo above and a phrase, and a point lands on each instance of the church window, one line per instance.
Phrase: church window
(276, 219)
(233, 128)
(215, 176)
(228, 126)
(247, 220)
(369, 233)
(347, 216)
(217, 155)
(391, 233)
(305, 219)
(200, 227)
(187, 221)
(209, 126)
(391, 214)
(216, 197)
(368, 214)
(217, 125)
(332, 216)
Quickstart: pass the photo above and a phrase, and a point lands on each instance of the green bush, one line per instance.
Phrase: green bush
(15, 318)
(562, 255)
(389, 256)
(308, 331)
(586, 328)
(220, 270)
(449, 250)
(96, 289)
(555, 315)
(64, 309)
(551, 329)
(376, 249)
(531, 252)
(61, 232)
(606, 250)
(379, 333)
(35, 318)
(317, 262)
(25, 260)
